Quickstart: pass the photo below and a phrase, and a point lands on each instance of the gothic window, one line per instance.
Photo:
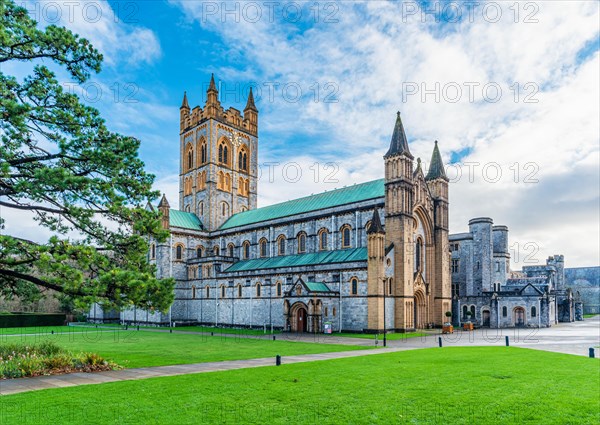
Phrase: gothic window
(504, 311)
(301, 243)
(223, 151)
(201, 208)
(323, 239)
(239, 290)
(224, 209)
(455, 265)
(230, 250)
(263, 247)
(207, 291)
(465, 309)
(153, 251)
(189, 157)
(533, 311)
(201, 181)
(346, 231)
(193, 291)
(419, 255)
(281, 245)
(199, 252)
(246, 250)
(222, 291)
(354, 286)
(179, 252)
(202, 152)
(243, 158)
(278, 290)
(473, 312)
(258, 290)
(216, 250)
(220, 180)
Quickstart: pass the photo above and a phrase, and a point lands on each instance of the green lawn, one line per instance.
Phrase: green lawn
(587, 316)
(39, 330)
(146, 348)
(474, 385)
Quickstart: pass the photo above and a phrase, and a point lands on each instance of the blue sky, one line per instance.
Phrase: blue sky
(366, 61)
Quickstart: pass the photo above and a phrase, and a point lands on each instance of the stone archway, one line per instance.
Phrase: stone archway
(420, 314)
(519, 316)
(485, 318)
(299, 317)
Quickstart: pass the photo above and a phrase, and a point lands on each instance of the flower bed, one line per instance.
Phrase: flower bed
(47, 358)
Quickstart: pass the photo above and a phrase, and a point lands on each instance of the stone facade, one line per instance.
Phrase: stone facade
(484, 286)
(585, 284)
(307, 262)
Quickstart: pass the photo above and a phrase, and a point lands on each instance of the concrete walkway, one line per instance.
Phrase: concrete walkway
(14, 386)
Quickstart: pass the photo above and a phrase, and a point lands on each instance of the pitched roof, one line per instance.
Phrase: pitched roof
(309, 259)
(317, 287)
(185, 220)
(399, 143)
(436, 168)
(334, 198)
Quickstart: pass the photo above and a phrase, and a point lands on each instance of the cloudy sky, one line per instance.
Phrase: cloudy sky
(510, 91)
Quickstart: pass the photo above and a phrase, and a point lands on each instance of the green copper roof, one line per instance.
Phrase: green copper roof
(310, 259)
(347, 195)
(317, 287)
(185, 220)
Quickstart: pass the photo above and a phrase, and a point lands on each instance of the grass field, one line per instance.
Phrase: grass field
(390, 336)
(145, 348)
(588, 316)
(482, 385)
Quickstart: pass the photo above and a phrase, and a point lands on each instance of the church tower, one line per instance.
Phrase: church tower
(399, 223)
(438, 186)
(219, 159)
(375, 274)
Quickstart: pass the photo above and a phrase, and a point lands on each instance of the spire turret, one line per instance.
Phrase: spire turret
(212, 86)
(399, 143)
(436, 168)
(250, 103)
(375, 226)
(184, 104)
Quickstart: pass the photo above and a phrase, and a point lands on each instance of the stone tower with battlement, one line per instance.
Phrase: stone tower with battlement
(218, 159)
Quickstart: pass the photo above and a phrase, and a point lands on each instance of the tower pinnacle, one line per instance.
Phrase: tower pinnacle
(436, 168)
(399, 143)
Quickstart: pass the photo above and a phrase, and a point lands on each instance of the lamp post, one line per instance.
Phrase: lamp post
(385, 281)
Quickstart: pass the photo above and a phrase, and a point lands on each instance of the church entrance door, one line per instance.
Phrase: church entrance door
(519, 316)
(486, 318)
(299, 318)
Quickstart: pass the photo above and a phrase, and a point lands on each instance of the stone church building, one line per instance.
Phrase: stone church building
(349, 258)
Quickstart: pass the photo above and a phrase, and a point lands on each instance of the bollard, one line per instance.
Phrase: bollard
(440, 341)
(138, 327)
(126, 326)
(592, 354)
(277, 360)
(170, 330)
(212, 334)
(53, 334)
(507, 341)
(273, 337)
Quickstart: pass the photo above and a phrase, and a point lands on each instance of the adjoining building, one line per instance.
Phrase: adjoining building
(487, 293)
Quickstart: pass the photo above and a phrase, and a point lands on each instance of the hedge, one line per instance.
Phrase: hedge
(19, 320)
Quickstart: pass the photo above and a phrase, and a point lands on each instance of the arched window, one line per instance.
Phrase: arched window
(153, 251)
(193, 291)
(227, 184)
(419, 254)
(179, 252)
(263, 247)
(220, 180)
(281, 245)
(504, 311)
(354, 286)
(199, 251)
(533, 311)
(323, 239)
(216, 250)
(224, 209)
(243, 158)
(203, 152)
(207, 291)
(473, 312)
(230, 248)
(222, 291)
(258, 290)
(346, 231)
(278, 290)
(326, 312)
(246, 250)
(201, 181)
(223, 151)
(301, 242)
(239, 290)
(201, 208)
(465, 309)
(189, 157)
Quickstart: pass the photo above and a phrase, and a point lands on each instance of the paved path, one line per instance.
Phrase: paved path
(14, 386)
(571, 338)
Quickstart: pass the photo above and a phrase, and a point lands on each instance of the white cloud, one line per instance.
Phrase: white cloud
(371, 52)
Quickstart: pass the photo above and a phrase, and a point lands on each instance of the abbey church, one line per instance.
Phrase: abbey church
(364, 258)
